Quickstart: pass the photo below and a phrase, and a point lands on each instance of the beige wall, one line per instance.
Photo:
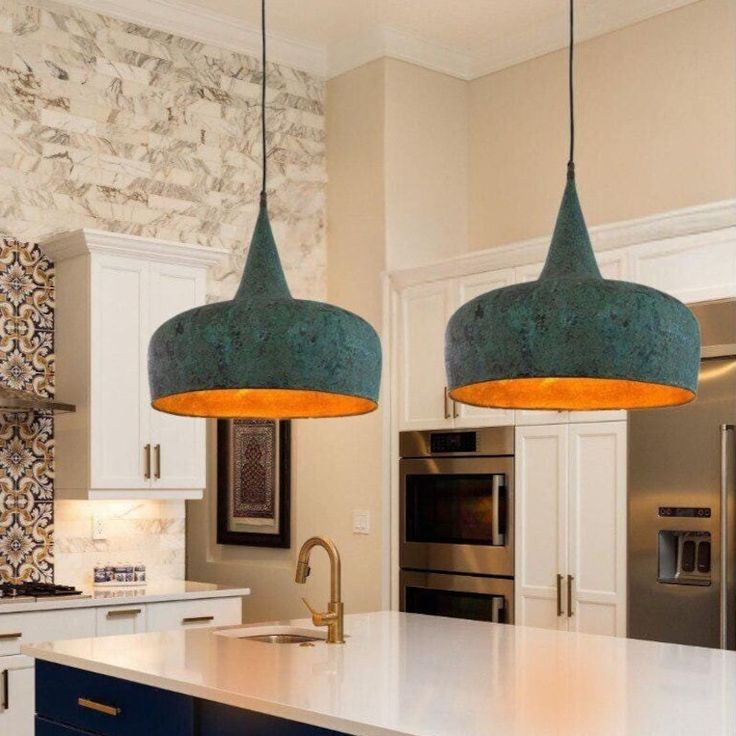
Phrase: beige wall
(656, 126)
(426, 150)
(336, 463)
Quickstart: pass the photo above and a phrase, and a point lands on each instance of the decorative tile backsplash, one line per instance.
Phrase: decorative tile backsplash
(110, 125)
(26, 440)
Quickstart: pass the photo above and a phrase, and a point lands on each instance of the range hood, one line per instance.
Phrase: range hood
(12, 400)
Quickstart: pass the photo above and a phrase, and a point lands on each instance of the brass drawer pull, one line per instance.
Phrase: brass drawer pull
(570, 580)
(7, 637)
(559, 594)
(147, 466)
(197, 619)
(124, 613)
(448, 415)
(108, 710)
(157, 461)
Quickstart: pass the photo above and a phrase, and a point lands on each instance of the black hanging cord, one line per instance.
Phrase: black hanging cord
(571, 90)
(263, 99)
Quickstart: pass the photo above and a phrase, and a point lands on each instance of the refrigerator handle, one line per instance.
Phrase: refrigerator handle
(726, 430)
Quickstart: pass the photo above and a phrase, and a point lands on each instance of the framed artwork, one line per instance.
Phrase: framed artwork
(253, 482)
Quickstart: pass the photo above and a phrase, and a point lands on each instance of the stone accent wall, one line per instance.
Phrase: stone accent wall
(110, 125)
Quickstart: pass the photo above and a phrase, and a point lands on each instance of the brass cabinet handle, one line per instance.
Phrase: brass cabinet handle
(157, 465)
(124, 613)
(147, 468)
(570, 580)
(197, 619)
(108, 710)
(14, 635)
(447, 404)
(559, 594)
(455, 411)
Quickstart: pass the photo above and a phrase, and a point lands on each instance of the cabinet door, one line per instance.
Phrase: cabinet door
(468, 288)
(425, 310)
(178, 443)
(597, 527)
(541, 546)
(17, 709)
(119, 412)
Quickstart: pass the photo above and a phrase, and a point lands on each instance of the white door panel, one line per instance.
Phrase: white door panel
(178, 443)
(541, 548)
(119, 413)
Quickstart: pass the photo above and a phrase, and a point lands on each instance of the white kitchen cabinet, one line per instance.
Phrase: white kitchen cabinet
(571, 527)
(118, 620)
(17, 671)
(17, 696)
(112, 292)
(424, 311)
(468, 288)
(541, 495)
(194, 614)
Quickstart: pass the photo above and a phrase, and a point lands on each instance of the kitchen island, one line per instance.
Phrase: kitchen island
(397, 674)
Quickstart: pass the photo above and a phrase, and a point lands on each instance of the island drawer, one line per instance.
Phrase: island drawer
(192, 614)
(49, 728)
(108, 706)
(33, 626)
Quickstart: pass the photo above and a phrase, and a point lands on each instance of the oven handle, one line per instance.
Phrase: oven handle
(498, 530)
(498, 609)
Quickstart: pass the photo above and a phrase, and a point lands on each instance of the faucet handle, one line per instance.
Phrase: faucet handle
(318, 619)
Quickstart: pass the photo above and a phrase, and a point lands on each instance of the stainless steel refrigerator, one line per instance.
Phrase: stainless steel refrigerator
(682, 483)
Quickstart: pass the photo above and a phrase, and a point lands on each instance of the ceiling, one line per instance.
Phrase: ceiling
(466, 38)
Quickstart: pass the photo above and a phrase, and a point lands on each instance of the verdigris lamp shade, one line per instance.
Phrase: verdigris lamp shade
(572, 339)
(265, 354)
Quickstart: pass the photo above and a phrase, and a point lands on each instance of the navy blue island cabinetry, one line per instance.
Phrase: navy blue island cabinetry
(74, 702)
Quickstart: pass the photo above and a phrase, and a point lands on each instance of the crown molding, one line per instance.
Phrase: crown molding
(551, 33)
(713, 217)
(87, 240)
(384, 41)
(215, 29)
(542, 37)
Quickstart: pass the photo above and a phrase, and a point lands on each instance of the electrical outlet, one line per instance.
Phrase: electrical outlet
(98, 527)
(361, 522)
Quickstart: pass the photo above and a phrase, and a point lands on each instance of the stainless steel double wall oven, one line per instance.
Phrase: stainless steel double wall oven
(457, 523)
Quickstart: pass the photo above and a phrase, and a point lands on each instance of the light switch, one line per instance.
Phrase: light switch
(361, 522)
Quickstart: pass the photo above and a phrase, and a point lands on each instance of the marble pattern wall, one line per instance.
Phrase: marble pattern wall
(110, 125)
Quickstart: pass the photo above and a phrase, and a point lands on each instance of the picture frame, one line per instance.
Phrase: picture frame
(254, 482)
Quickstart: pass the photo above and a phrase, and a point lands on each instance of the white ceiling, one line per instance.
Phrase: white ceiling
(466, 38)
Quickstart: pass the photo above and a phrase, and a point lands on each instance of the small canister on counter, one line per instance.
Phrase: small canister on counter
(140, 572)
(100, 573)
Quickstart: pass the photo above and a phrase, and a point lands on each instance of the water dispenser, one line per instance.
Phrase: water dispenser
(684, 557)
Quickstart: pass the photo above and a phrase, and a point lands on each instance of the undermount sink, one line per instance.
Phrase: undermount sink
(274, 634)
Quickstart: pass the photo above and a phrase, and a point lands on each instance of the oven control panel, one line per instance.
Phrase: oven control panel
(685, 512)
(442, 442)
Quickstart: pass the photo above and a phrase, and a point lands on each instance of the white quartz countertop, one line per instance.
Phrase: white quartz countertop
(425, 676)
(153, 592)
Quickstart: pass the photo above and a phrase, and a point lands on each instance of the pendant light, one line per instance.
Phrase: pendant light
(572, 340)
(265, 354)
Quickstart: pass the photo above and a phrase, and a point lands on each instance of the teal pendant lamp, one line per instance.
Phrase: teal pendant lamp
(573, 340)
(264, 354)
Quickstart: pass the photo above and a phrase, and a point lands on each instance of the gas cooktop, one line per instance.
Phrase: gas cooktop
(25, 591)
